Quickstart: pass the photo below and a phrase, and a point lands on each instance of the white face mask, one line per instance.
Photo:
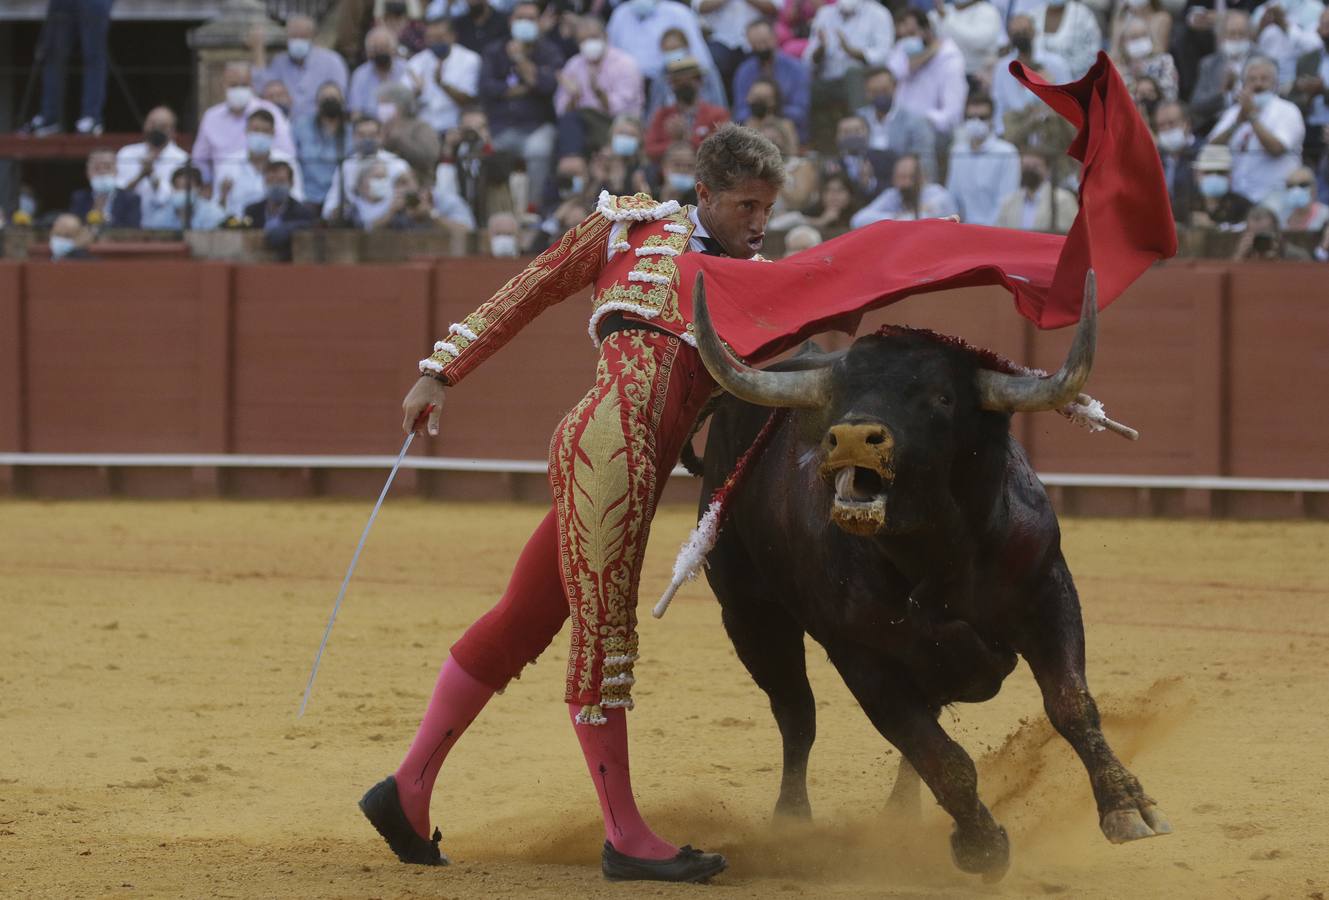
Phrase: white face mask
(1139, 48)
(593, 49)
(377, 188)
(525, 31)
(298, 48)
(848, 7)
(503, 245)
(643, 8)
(1261, 99)
(238, 97)
(1236, 49)
(1171, 140)
(912, 45)
(976, 129)
(61, 246)
(387, 112)
(258, 142)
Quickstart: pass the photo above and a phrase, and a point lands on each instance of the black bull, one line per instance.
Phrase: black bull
(895, 519)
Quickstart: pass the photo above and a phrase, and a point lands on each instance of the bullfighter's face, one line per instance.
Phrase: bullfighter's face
(737, 217)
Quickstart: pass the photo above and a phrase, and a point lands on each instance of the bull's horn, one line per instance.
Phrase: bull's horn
(811, 388)
(1029, 393)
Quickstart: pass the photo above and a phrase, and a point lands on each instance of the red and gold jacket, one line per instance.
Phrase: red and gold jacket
(640, 281)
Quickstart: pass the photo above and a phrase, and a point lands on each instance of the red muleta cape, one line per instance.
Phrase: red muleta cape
(1124, 225)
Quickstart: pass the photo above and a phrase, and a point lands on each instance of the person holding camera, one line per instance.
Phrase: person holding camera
(1262, 239)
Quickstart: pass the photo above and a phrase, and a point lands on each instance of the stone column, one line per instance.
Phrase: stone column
(226, 39)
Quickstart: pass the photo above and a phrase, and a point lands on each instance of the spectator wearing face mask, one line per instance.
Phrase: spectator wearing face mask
(1310, 90)
(402, 18)
(1220, 71)
(597, 85)
(678, 175)
(322, 140)
(1156, 22)
(637, 27)
(404, 133)
(1284, 31)
(517, 83)
(1037, 205)
(984, 169)
(892, 128)
(974, 26)
(240, 182)
(726, 23)
(502, 236)
(275, 92)
(674, 47)
(766, 63)
(848, 38)
(279, 214)
(69, 239)
(765, 112)
(483, 23)
(1141, 59)
(619, 168)
(1069, 29)
(908, 198)
(102, 203)
(366, 148)
(1262, 239)
(929, 73)
(1010, 96)
(221, 131)
(867, 170)
(382, 66)
(188, 204)
(1176, 148)
(145, 168)
(303, 67)
(445, 76)
(1298, 208)
(1217, 205)
(690, 119)
(1263, 131)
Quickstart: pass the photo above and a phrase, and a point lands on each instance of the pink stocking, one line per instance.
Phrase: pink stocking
(606, 750)
(457, 700)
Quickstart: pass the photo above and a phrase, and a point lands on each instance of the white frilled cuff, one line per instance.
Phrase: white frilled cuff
(645, 214)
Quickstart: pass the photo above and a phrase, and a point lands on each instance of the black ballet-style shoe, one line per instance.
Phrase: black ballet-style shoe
(690, 865)
(382, 807)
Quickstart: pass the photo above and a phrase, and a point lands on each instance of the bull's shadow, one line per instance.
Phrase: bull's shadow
(894, 518)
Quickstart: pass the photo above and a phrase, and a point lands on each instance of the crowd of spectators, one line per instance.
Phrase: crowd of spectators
(509, 117)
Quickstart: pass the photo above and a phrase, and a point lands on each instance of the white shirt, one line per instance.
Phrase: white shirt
(728, 25)
(870, 30)
(978, 179)
(350, 174)
(1255, 173)
(461, 72)
(937, 90)
(640, 38)
(1077, 40)
(1008, 95)
(156, 188)
(247, 181)
(1286, 47)
(977, 30)
(934, 202)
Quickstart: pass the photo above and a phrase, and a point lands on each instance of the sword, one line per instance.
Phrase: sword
(332, 619)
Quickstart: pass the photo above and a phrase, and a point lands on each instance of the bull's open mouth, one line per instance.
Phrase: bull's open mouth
(860, 500)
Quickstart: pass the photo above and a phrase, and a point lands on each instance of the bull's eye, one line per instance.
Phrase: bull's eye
(876, 438)
(830, 439)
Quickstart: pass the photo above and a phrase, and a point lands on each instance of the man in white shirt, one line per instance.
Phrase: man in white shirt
(636, 26)
(240, 182)
(367, 144)
(848, 38)
(975, 27)
(146, 167)
(445, 76)
(727, 22)
(984, 168)
(1037, 205)
(221, 131)
(1263, 131)
(930, 72)
(908, 198)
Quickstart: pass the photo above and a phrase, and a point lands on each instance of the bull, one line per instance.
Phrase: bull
(895, 519)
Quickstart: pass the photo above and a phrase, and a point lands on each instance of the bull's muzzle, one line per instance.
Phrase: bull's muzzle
(860, 464)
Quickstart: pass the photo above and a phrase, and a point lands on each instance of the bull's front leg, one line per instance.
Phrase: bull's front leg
(1053, 645)
(979, 845)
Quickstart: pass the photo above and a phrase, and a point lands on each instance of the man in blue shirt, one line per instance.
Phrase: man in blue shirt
(984, 169)
(770, 63)
(322, 140)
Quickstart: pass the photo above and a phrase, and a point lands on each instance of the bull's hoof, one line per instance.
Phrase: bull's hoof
(989, 856)
(1122, 825)
(793, 810)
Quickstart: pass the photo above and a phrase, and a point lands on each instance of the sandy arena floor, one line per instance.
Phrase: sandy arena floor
(155, 653)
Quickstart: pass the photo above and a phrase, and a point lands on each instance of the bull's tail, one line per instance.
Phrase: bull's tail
(692, 555)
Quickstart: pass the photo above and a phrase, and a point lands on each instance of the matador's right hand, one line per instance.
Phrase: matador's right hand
(426, 394)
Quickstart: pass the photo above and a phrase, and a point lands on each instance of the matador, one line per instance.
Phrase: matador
(608, 462)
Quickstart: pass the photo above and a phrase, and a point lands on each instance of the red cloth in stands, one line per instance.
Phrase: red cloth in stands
(1124, 225)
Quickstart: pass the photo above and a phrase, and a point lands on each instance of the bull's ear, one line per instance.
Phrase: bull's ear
(807, 389)
(1028, 393)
